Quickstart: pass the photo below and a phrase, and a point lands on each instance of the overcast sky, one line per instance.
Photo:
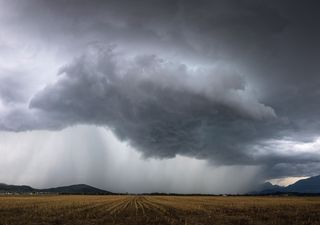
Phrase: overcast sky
(210, 96)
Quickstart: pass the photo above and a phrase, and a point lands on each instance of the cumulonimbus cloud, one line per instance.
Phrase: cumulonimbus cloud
(162, 108)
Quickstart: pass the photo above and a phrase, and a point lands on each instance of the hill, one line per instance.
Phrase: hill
(4, 188)
(76, 189)
(72, 189)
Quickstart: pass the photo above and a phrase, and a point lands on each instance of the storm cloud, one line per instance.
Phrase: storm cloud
(230, 82)
(160, 107)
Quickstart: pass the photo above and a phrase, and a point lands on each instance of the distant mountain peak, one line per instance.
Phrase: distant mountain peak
(309, 185)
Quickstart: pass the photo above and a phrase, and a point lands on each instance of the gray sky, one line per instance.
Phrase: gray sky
(182, 96)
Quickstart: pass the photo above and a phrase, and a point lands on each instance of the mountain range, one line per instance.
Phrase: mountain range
(72, 189)
(304, 186)
(309, 185)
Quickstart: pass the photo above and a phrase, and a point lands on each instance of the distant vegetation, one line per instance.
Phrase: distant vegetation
(152, 210)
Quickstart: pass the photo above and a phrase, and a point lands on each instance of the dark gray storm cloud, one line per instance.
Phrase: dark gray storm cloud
(225, 81)
(162, 108)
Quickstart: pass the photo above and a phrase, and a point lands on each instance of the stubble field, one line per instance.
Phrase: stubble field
(149, 210)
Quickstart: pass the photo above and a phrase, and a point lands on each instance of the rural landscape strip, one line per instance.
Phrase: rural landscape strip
(174, 210)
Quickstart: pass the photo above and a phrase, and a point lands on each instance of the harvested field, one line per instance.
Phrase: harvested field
(148, 210)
